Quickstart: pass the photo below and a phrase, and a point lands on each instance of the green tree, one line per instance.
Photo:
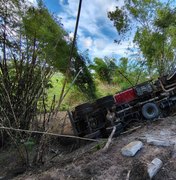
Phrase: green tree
(33, 46)
(154, 29)
(104, 69)
(54, 48)
(129, 73)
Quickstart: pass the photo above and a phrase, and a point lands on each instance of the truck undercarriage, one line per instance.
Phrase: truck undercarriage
(146, 101)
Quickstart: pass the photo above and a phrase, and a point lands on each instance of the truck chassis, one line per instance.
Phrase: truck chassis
(145, 101)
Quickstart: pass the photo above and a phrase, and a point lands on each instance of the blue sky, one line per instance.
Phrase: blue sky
(96, 32)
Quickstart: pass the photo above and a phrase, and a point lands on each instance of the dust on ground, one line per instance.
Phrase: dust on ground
(90, 162)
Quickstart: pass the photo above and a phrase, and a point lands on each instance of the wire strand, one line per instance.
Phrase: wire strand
(47, 133)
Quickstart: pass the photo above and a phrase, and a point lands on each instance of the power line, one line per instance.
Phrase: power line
(71, 53)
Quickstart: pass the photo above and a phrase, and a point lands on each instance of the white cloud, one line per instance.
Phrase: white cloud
(109, 49)
(33, 2)
(71, 35)
(62, 1)
(87, 42)
(96, 32)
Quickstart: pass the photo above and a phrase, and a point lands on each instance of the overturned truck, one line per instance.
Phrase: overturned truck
(146, 101)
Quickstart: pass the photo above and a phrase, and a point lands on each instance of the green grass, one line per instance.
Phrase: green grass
(104, 89)
(74, 97)
(57, 82)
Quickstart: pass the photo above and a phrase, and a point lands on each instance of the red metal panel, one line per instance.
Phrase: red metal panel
(125, 96)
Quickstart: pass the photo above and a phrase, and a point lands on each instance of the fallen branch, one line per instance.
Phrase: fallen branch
(109, 139)
(128, 175)
(47, 133)
(131, 130)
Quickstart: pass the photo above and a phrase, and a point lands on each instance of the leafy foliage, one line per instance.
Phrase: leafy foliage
(104, 69)
(120, 19)
(84, 81)
(112, 76)
(39, 24)
(33, 46)
(154, 30)
(129, 73)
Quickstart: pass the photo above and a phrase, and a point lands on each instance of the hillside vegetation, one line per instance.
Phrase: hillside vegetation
(43, 73)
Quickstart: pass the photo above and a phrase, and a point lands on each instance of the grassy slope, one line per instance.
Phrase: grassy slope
(75, 97)
(104, 89)
(56, 82)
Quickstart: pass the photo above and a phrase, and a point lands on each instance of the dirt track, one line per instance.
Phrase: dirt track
(96, 164)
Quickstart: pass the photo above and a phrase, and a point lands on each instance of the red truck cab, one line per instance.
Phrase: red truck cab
(125, 96)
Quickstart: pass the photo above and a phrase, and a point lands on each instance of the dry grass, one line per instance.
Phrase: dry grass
(112, 165)
(104, 89)
(59, 124)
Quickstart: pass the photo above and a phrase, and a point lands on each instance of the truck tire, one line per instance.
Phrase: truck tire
(104, 99)
(106, 102)
(85, 111)
(83, 106)
(150, 111)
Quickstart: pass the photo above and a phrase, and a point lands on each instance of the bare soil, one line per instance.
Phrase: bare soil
(91, 162)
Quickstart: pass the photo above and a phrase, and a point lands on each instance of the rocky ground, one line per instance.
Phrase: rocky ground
(91, 162)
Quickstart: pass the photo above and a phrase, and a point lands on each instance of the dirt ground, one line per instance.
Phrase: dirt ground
(91, 162)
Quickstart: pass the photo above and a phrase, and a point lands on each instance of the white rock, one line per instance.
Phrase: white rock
(159, 142)
(132, 148)
(154, 167)
(173, 140)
